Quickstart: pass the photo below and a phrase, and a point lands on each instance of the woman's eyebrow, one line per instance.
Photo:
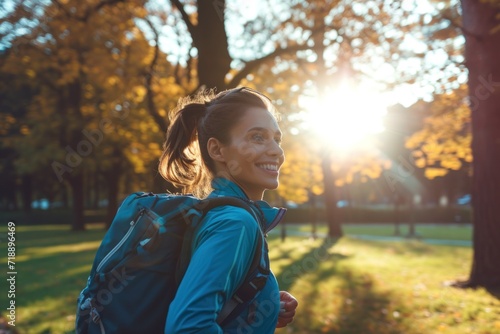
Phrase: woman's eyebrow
(258, 128)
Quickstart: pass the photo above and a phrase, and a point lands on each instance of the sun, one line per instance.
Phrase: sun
(345, 117)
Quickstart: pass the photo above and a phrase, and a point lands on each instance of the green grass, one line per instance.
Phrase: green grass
(348, 286)
(355, 286)
(52, 263)
(460, 232)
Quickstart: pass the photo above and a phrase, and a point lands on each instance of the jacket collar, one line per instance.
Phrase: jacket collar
(225, 187)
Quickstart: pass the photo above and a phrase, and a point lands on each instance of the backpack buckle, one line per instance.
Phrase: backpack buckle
(96, 317)
(192, 215)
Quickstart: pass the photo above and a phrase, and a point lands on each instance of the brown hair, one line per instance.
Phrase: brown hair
(185, 161)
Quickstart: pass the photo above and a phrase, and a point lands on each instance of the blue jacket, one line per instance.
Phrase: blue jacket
(222, 249)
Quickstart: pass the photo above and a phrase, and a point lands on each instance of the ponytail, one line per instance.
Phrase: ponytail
(180, 162)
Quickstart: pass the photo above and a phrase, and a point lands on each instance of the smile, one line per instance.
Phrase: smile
(270, 167)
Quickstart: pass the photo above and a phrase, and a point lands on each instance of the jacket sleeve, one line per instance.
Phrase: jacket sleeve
(222, 251)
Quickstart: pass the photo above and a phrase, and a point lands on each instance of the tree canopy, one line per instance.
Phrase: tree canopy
(103, 76)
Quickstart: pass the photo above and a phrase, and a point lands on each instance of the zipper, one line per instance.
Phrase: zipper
(257, 213)
(276, 220)
(133, 223)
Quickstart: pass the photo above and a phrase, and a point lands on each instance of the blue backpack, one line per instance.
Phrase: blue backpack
(142, 258)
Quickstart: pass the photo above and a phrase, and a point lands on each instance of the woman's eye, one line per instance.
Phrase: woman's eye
(258, 138)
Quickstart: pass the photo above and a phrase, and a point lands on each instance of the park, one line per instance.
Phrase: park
(351, 285)
(389, 119)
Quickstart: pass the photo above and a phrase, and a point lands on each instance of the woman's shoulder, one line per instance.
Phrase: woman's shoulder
(231, 217)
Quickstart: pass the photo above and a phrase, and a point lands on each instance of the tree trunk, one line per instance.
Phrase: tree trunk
(313, 213)
(113, 181)
(482, 51)
(397, 215)
(76, 183)
(96, 190)
(88, 193)
(332, 212)
(214, 61)
(64, 196)
(27, 192)
(113, 186)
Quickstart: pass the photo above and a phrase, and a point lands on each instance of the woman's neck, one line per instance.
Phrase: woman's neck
(254, 196)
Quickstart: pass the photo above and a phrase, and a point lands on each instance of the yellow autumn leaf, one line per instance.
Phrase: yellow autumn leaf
(139, 93)
(432, 173)
(451, 163)
(420, 163)
(30, 73)
(25, 130)
(112, 80)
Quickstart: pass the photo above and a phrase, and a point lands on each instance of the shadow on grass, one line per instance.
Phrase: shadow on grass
(466, 284)
(59, 237)
(365, 310)
(495, 292)
(49, 287)
(413, 246)
(308, 263)
(52, 265)
(334, 298)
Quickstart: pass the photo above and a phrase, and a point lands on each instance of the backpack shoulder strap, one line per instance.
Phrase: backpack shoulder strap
(256, 276)
(254, 282)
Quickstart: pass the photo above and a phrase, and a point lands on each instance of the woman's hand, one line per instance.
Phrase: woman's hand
(288, 304)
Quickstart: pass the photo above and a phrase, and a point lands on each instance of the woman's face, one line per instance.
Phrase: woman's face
(254, 156)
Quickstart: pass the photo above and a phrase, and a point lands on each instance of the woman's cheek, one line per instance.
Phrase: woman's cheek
(248, 151)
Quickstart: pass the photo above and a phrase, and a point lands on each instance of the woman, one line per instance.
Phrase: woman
(228, 144)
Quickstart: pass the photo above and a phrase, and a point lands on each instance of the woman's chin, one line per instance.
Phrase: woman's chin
(272, 185)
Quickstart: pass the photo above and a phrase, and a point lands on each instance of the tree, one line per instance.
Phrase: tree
(282, 46)
(441, 148)
(482, 51)
(15, 96)
(342, 37)
(465, 131)
(301, 172)
(94, 69)
(55, 53)
(443, 144)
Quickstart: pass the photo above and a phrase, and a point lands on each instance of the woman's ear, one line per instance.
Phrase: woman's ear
(214, 148)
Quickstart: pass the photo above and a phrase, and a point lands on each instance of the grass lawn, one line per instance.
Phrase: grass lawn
(345, 286)
(459, 232)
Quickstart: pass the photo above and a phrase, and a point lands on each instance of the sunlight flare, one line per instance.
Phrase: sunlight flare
(345, 117)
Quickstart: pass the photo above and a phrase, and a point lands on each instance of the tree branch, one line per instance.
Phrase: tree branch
(106, 3)
(89, 11)
(251, 65)
(61, 6)
(457, 25)
(191, 27)
(96, 8)
(153, 110)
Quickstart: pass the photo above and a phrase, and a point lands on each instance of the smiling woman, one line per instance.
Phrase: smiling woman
(232, 142)
(253, 157)
(345, 117)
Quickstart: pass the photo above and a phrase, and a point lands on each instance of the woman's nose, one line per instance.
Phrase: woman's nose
(276, 149)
